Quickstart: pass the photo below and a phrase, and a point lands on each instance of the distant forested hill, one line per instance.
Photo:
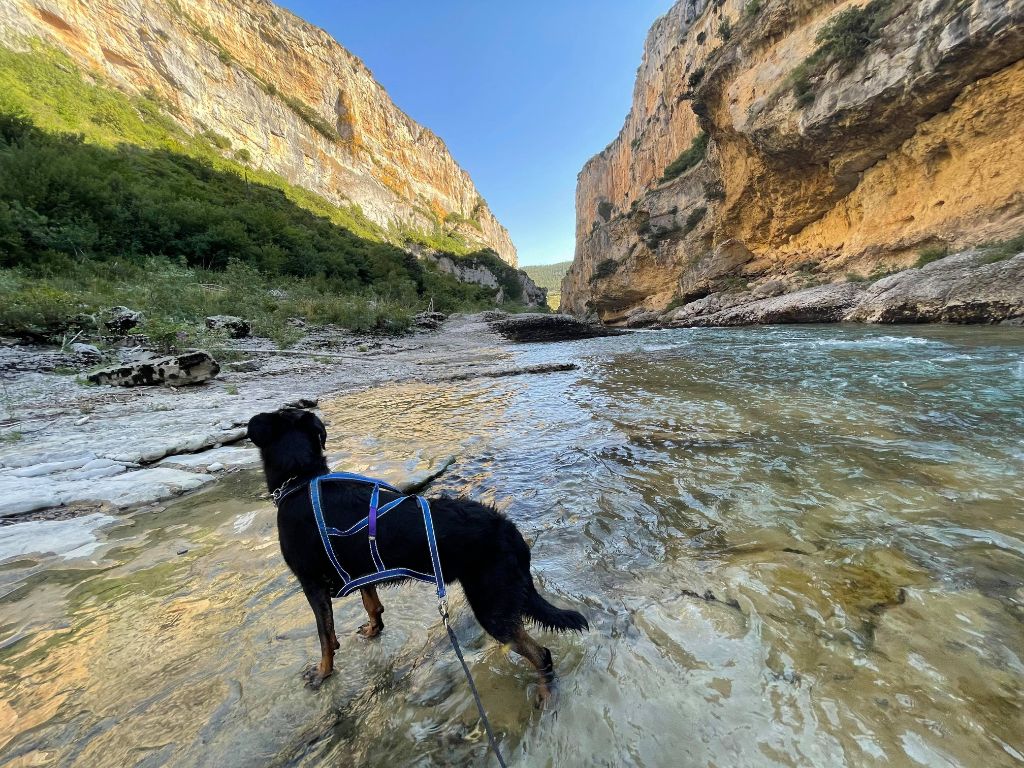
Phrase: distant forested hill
(549, 276)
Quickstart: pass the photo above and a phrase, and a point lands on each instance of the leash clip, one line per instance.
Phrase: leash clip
(277, 495)
(442, 608)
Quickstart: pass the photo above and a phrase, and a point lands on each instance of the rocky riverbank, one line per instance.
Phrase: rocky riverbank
(68, 448)
(966, 288)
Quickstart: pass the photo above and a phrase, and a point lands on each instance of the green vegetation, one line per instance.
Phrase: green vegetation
(550, 276)
(696, 217)
(605, 269)
(219, 141)
(725, 29)
(688, 159)
(930, 254)
(105, 200)
(751, 9)
(1003, 249)
(310, 116)
(845, 40)
(454, 219)
(695, 77)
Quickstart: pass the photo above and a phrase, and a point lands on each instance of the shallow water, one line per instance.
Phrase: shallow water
(796, 546)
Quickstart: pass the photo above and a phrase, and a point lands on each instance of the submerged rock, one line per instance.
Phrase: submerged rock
(540, 327)
(178, 370)
(235, 327)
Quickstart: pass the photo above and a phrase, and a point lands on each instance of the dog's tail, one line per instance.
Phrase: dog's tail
(554, 619)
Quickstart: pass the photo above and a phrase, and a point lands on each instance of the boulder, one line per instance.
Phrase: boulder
(193, 367)
(235, 327)
(820, 304)
(541, 327)
(120, 320)
(87, 351)
(429, 320)
(966, 288)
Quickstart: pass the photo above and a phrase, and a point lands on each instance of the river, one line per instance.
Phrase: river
(797, 546)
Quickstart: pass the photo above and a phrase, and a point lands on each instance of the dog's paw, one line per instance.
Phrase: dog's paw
(313, 678)
(546, 699)
(369, 631)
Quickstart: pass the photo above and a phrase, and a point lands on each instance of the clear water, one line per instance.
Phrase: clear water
(850, 497)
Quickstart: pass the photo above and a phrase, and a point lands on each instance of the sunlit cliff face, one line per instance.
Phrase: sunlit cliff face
(284, 91)
(914, 142)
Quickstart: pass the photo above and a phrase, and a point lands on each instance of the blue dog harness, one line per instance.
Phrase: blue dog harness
(369, 523)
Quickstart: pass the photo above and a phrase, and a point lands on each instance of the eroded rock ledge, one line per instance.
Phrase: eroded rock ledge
(966, 288)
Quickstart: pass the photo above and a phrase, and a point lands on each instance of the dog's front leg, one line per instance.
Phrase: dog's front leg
(374, 611)
(319, 598)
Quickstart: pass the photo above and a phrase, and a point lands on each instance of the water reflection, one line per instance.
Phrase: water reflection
(797, 546)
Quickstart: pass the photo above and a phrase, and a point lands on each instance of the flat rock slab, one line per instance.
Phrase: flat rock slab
(214, 460)
(540, 327)
(19, 495)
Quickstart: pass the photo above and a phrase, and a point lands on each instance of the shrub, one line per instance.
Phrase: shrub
(930, 254)
(688, 159)
(725, 29)
(752, 8)
(845, 39)
(696, 216)
(848, 36)
(605, 269)
(695, 77)
(243, 155)
(219, 141)
(311, 117)
(1003, 249)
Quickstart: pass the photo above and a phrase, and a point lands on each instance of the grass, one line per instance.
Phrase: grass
(11, 437)
(175, 299)
(688, 159)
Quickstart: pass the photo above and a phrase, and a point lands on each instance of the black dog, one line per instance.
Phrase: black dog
(477, 546)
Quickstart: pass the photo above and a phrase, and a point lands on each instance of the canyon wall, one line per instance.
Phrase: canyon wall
(814, 156)
(281, 91)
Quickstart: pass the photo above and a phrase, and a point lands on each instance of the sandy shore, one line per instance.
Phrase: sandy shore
(69, 449)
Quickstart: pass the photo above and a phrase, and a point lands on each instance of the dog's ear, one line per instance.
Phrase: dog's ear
(262, 428)
(318, 425)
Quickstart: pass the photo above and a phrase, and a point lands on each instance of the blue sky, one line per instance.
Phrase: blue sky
(523, 93)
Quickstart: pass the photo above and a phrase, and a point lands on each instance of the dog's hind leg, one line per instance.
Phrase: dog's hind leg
(540, 658)
(374, 611)
(320, 601)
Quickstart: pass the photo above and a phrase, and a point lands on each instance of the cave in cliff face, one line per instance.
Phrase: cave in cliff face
(776, 144)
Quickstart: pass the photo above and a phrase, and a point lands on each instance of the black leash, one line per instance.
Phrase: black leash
(442, 607)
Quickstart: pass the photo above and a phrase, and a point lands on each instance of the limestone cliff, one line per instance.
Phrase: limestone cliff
(788, 143)
(282, 92)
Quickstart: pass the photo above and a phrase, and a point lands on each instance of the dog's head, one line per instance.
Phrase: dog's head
(290, 433)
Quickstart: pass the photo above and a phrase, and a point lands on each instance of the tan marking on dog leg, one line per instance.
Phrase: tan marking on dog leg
(374, 610)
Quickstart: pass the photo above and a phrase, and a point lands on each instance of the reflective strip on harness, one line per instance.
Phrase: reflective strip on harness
(370, 522)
